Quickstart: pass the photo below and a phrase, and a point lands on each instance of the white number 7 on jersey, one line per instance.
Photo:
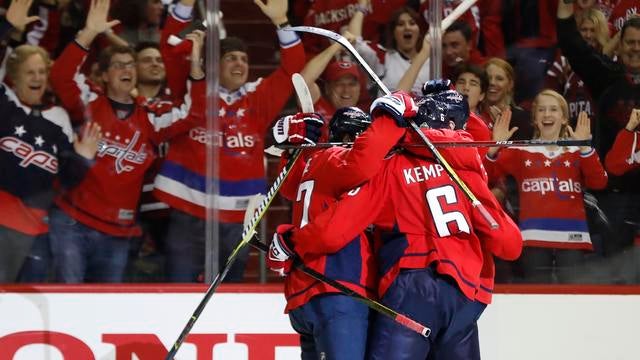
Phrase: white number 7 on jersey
(441, 218)
(307, 188)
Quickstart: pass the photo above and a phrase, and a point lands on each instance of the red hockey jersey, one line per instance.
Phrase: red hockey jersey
(107, 198)
(244, 117)
(550, 186)
(434, 223)
(313, 186)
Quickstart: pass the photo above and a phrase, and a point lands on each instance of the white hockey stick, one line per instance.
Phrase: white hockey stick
(456, 13)
(302, 92)
(436, 154)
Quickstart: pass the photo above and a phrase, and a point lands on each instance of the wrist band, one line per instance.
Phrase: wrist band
(362, 8)
(284, 24)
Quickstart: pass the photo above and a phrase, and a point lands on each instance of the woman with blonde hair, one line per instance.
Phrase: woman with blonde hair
(561, 78)
(500, 95)
(551, 181)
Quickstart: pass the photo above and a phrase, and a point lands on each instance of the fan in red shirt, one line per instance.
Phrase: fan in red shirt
(102, 209)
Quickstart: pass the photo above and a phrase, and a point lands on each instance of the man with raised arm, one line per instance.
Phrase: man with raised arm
(93, 224)
(246, 111)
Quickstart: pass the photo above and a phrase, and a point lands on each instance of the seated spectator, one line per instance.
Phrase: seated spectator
(246, 111)
(39, 147)
(458, 48)
(561, 78)
(500, 97)
(551, 181)
(95, 222)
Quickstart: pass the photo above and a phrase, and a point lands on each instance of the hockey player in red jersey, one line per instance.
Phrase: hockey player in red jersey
(102, 209)
(430, 264)
(327, 321)
(551, 181)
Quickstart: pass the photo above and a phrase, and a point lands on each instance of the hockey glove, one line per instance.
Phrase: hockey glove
(301, 128)
(399, 105)
(436, 86)
(280, 256)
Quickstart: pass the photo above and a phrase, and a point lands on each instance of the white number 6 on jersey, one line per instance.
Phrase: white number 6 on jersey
(441, 218)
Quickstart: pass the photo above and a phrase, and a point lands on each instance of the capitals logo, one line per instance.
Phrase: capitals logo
(545, 185)
(29, 155)
(123, 153)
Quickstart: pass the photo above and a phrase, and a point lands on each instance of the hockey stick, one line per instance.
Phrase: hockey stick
(506, 143)
(249, 231)
(382, 309)
(456, 13)
(347, 45)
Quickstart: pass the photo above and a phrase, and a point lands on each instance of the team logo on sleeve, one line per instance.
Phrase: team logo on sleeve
(123, 153)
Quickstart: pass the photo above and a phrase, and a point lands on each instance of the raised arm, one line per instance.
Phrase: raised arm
(96, 23)
(594, 68)
(179, 119)
(67, 82)
(175, 56)
(410, 76)
(17, 16)
(622, 156)
(316, 66)
(565, 9)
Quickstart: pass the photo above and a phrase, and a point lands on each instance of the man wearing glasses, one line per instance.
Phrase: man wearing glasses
(94, 223)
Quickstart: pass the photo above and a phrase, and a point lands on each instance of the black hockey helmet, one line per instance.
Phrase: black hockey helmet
(439, 110)
(348, 121)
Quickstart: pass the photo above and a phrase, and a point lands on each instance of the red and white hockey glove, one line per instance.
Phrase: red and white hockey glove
(301, 128)
(399, 105)
(280, 256)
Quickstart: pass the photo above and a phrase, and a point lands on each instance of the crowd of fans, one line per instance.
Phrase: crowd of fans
(104, 136)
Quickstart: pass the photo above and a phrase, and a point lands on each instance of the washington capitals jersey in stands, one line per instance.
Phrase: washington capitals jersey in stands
(243, 117)
(35, 149)
(313, 186)
(562, 79)
(551, 185)
(434, 221)
(107, 198)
